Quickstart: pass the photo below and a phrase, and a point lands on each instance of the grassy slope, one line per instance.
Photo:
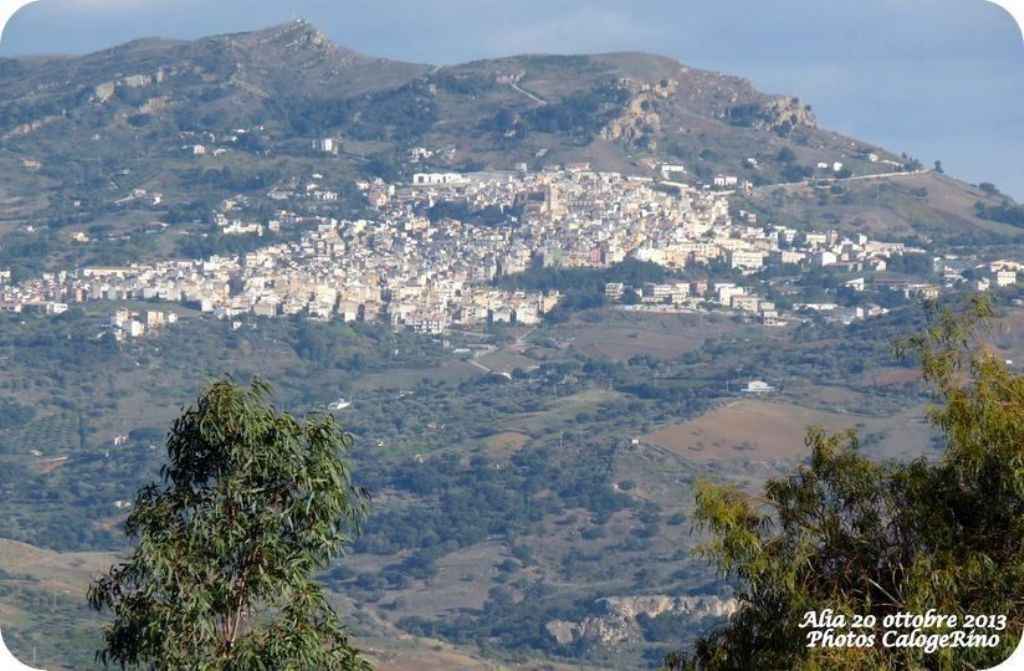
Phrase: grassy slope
(889, 208)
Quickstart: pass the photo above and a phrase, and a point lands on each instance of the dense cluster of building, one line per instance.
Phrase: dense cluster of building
(427, 258)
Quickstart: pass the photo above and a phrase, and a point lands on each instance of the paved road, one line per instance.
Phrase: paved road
(479, 353)
(532, 96)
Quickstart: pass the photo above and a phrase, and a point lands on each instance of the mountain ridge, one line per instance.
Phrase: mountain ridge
(304, 50)
(161, 113)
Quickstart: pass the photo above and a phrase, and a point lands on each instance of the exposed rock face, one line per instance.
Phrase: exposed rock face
(618, 622)
(563, 632)
(778, 115)
(105, 91)
(641, 119)
(788, 111)
(22, 130)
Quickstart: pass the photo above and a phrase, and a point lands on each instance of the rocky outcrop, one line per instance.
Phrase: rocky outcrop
(638, 123)
(24, 129)
(616, 621)
(103, 92)
(565, 633)
(778, 115)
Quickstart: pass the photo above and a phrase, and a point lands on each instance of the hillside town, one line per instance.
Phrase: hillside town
(427, 258)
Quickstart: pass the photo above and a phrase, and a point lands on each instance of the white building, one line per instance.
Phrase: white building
(745, 303)
(1005, 278)
(437, 178)
(825, 258)
(327, 145)
(671, 170)
(758, 387)
(725, 292)
(747, 260)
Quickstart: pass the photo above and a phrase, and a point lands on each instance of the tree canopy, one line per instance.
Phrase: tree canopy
(876, 540)
(254, 503)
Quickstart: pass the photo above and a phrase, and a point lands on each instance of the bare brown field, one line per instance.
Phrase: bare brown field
(885, 377)
(506, 443)
(65, 572)
(821, 395)
(752, 430)
(620, 335)
(769, 431)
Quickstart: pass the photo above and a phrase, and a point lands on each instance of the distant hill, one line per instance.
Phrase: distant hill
(202, 120)
(611, 109)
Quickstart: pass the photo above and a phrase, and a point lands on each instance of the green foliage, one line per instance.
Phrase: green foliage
(404, 113)
(583, 288)
(581, 114)
(506, 621)
(358, 347)
(469, 504)
(27, 254)
(796, 173)
(865, 538)
(1006, 212)
(491, 215)
(745, 115)
(395, 114)
(384, 166)
(228, 179)
(786, 156)
(216, 244)
(471, 84)
(254, 504)
(13, 414)
(911, 264)
(147, 434)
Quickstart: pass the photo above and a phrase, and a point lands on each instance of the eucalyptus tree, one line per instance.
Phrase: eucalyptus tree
(253, 504)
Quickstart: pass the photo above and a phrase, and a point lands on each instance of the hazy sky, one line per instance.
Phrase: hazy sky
(939, 79)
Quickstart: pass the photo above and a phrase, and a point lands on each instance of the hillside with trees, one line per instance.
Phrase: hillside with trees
(871, 542)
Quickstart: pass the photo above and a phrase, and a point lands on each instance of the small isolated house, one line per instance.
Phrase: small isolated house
(758, 387)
